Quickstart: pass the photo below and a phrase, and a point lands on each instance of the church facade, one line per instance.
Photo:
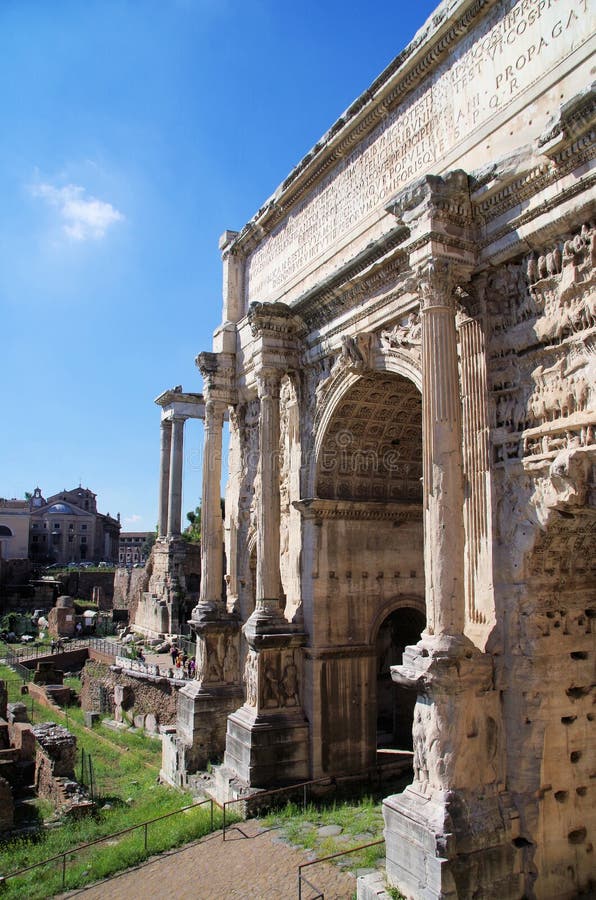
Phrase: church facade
(406, 359)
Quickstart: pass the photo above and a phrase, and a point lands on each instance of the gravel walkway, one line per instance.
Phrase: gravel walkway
(251, 863)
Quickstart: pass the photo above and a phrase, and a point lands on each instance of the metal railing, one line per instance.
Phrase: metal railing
(258, 800)
(62, 857)
(302, 879)
(14, 662)
(103, 645)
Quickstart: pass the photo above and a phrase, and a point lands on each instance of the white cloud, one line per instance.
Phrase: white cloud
(130, 520)
(84, 217)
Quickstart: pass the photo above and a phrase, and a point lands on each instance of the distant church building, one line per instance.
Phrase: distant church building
(64, 528)
(407, 361)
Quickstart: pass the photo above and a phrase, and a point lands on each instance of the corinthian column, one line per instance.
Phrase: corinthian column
(268, 503)
(164, 476)
(442, 438)
(211, 520)
(175, 486)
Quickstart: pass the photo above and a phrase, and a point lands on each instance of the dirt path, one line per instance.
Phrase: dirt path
(251, 863)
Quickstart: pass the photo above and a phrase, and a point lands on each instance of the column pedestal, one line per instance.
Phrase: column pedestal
(205, 704)
(267, 738)
(454, 832)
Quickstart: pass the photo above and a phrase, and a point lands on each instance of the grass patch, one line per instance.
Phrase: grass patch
(361, 822)
(126, 766)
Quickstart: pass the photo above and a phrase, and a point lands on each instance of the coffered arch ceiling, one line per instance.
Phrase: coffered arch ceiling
(372, 448)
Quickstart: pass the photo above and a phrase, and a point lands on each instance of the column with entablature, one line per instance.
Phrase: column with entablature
(458, 768)
(175, 563)
(267, 740)
(205, 703)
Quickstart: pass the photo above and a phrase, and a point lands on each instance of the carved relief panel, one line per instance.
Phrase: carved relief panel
(543, 351)
(272, 678)
(217, 657)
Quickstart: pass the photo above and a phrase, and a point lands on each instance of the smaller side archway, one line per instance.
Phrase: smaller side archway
(399, 629)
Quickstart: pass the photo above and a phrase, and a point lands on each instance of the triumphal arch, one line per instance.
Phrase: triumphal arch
(407, 357)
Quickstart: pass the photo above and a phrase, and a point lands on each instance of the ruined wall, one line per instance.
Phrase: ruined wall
(80, 584)
(136, 695)
(129, 585)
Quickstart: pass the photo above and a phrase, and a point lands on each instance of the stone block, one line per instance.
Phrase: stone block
(22, 738)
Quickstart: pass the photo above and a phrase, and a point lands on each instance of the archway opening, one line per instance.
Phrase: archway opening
(395, 704)
(370, 559)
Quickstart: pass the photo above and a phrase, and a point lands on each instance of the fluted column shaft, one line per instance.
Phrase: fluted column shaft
(164, 476)
(443, 471)
(175, 485)
(268, 504)
(211, 520)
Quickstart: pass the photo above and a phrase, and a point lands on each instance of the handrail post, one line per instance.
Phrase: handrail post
(145, 837)
(299, 882)
(63, 871)
(211, 807)
(223, 834)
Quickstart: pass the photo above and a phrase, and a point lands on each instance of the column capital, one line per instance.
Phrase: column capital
(218, 372)
(437, 280)
(268, 383)
(215, 409)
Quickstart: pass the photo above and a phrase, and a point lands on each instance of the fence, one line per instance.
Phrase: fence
(14, 661)
(63, 858)
(319, 895)
(260, 801)
(26, 654)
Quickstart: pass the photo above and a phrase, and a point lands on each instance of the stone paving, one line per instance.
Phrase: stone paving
(252, 862)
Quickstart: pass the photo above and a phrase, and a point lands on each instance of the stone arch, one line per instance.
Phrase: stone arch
(394, 362)
(401, 627)
(363, 528)
(5, 531)
(371, 448)
(409, 601)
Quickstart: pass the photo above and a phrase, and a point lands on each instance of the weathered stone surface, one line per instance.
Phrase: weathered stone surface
(118, 693)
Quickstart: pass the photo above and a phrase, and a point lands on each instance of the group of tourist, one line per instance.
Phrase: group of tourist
(182, 661)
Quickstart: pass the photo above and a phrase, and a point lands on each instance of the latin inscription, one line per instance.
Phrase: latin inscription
(489, 69)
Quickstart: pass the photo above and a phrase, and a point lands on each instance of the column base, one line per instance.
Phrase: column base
(200, 734)
(453, 832)
(452, 846)
(267, 750)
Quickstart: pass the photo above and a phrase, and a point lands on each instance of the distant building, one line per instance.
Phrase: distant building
(64, 528)
(134, 547)
(14, 529)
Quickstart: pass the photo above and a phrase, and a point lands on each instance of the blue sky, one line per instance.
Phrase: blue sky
(134, 133)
